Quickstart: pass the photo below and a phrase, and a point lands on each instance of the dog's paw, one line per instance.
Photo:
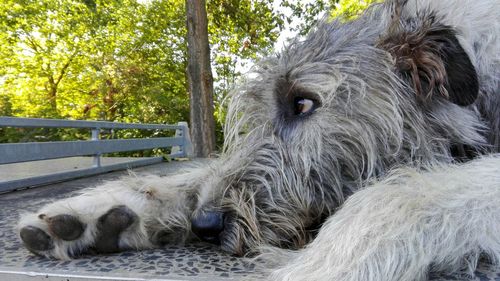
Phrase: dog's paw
(108, 219)
(135, 213)
(71, 234)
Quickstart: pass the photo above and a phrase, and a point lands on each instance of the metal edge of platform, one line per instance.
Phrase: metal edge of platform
(22, 275)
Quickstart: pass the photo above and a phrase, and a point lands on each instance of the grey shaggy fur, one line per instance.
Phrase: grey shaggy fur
(399, 97)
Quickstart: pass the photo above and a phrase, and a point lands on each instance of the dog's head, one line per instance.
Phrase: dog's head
(329, 113)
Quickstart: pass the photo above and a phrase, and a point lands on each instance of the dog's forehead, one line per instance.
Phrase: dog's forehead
(332, 39)
(320, 62)
(330, 49)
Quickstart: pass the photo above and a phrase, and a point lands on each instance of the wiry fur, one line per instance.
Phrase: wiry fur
(408, 84)
(449, 223)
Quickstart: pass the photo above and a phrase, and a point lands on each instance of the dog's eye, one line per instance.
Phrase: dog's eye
(303, 106)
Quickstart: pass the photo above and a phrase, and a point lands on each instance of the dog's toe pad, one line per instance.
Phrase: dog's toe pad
(110, 226)
(35, 239)
(66, 227)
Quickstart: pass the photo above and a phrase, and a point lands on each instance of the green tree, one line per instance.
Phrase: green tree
(42, 47)
(111, 60)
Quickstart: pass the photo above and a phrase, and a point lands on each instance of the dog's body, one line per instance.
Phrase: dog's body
(398, 95)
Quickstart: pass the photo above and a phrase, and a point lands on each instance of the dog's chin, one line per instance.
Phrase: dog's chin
(231, 246)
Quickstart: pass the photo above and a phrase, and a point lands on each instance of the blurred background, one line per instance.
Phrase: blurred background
(126, 60)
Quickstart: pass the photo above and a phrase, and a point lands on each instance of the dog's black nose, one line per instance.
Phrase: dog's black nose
(207, 225)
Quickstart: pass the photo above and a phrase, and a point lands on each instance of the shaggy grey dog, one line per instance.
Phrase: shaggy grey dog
(355, 143)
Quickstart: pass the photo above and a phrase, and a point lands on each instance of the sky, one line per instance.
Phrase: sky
(287, 33)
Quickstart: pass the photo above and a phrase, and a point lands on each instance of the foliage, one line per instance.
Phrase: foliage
(107, 60)
(308, 12)
(350, 9)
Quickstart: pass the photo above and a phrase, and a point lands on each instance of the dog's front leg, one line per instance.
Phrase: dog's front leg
(136, 212)
(410, 223)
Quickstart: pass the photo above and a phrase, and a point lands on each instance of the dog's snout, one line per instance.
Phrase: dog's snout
(207, 225)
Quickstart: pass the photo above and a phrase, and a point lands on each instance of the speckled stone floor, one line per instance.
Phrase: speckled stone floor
(190, 262)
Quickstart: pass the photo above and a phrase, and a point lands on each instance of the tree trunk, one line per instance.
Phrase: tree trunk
(51, 88)
(200, 80)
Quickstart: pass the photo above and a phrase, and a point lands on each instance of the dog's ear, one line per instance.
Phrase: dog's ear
(430, 58)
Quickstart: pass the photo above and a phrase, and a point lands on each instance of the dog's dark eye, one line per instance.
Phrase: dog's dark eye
(303, 106)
